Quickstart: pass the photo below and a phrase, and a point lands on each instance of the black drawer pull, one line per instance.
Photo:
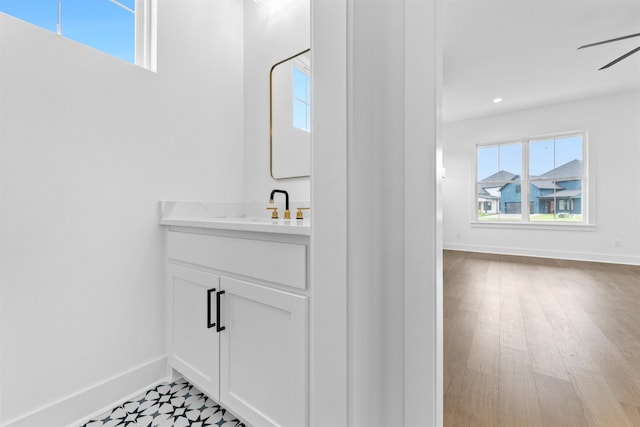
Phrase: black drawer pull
(209, 292)
(219, 328)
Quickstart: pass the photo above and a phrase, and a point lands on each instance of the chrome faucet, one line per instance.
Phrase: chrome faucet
(287, 213)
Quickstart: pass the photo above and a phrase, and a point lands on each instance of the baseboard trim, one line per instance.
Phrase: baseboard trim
(79, 407)
(573, 256)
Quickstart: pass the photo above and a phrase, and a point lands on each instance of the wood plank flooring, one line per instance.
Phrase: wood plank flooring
(540, 342)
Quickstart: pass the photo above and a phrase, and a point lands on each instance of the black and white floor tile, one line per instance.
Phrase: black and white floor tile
(177, 404)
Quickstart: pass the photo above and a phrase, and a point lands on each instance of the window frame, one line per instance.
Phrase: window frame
(145, 42)
(144, 35)
(525, 222)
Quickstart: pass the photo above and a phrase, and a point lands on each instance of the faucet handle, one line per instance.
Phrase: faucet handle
(299, 213)
(274, 213)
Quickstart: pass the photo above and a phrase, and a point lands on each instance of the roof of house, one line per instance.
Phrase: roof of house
(500, 176)
(489, 190)
(483, 193)
(488, 199)
(570, 169)
(564, 172)
(563, 194)
(545, 185)
(497, 178)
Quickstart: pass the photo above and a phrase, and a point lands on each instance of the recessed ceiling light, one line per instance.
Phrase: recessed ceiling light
(497, 100)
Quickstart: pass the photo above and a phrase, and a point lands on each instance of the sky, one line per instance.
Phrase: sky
(301, 100)
(100, 24)
(544, 155)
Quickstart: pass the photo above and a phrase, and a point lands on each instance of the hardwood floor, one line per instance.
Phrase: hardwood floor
(540, 342)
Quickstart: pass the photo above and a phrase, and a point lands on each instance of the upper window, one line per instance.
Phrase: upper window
(301, 99)
(121, 28)
(546, 174)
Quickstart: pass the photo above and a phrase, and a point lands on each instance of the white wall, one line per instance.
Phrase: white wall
(328, 382)
(375, 245)
(273, 31)
(614, 178)
(88, 145)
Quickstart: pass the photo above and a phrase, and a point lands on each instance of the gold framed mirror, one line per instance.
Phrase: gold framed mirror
(290, 117)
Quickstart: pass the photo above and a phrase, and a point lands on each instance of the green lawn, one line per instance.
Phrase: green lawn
(533, 217)
(557, 217)
(496, 217)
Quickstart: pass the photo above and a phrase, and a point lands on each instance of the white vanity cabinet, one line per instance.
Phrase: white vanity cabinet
(263, 354)
(195, 345)
(238, 321)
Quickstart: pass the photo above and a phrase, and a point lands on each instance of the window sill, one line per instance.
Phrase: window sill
(534, 225)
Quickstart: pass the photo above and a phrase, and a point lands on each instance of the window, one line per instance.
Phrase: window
(122, 28)
(301, 99)
(562, 205)
(546, 173)
(499, 171)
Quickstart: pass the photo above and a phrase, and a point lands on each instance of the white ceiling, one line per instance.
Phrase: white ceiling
(525, 51)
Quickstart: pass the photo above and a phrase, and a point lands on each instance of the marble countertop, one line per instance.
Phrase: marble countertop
(228, 216)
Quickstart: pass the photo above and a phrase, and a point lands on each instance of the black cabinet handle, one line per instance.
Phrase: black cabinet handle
(219, 328)
(209, 292)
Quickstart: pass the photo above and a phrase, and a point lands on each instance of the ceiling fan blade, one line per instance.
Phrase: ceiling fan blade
(615, 61)
(609, 41)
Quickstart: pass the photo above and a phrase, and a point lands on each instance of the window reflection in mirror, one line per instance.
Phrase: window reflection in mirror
(301, 99)
(290, 115)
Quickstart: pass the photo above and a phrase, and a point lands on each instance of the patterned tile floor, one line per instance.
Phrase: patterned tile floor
(177, 404)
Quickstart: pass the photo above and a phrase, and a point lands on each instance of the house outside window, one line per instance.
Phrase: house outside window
(498, 166)
(545, 173)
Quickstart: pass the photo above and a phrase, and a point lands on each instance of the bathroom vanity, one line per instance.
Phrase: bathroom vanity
(237, 305)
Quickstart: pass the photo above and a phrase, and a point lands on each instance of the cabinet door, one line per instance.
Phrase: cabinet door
(193, 342)
(263, 354)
